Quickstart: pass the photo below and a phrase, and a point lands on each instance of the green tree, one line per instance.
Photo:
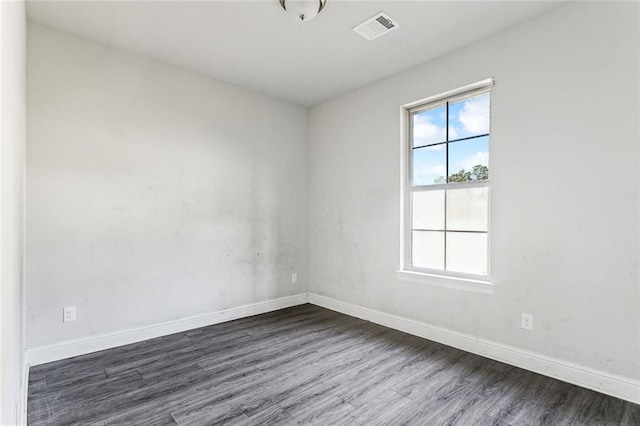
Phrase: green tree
(479, 172)
(461, 176)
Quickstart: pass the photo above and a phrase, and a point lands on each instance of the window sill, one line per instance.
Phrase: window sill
(454, 283)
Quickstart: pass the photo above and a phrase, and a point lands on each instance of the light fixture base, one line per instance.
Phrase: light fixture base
(303, 10)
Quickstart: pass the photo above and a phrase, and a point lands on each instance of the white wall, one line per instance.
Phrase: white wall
(565, 189)
(154, 193)
(12, 166)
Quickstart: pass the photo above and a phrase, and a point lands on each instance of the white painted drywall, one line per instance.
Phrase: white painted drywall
(565, 189)
(154, 193)
(12, 169)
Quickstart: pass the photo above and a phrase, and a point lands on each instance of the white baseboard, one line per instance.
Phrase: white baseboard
(601, 381)
(610, 384)
(24, 392)
(71, 348)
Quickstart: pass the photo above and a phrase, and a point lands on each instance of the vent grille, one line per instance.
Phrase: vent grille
(376, 26)
(385, 22)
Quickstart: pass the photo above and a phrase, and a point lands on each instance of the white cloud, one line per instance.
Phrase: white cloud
(426, 132)
(438, 170)
(474, 115)
(480, 157)
(429, 174)
(453, 133)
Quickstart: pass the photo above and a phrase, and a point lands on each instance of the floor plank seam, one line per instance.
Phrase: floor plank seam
(347, 402)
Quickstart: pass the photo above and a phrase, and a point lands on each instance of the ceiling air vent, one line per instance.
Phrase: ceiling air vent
(375, 27)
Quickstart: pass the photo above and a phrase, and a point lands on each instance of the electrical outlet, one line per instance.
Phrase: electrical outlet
(527, 321)
(294, 278)
(69, 314)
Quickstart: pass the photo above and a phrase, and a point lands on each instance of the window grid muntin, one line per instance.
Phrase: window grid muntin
(451, 141)
(444, 186)
(446, 180)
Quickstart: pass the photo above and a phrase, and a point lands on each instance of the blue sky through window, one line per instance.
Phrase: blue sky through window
(429, 164)
(430, 126)
(467, 118)
(468, 153)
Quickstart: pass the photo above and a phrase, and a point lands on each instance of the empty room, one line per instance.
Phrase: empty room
(326, 212)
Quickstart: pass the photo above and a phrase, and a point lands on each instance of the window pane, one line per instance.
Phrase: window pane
(469, 117)
(467, 209)
(429, 165)
(428, 210)
(430, 126)
(469, 160)
(427, 249)
(467, 253)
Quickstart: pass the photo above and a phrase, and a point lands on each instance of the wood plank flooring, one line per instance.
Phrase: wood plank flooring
(305, 365)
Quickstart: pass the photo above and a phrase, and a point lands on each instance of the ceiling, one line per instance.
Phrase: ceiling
(256, 45)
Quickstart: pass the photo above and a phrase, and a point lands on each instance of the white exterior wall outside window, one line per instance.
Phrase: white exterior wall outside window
(446, 181)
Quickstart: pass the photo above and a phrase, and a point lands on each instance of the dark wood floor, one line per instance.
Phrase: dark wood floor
(305, 365)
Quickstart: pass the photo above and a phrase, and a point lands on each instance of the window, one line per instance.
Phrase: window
(447, 182)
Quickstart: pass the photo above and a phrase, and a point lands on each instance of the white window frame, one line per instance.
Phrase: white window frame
(436, 277)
